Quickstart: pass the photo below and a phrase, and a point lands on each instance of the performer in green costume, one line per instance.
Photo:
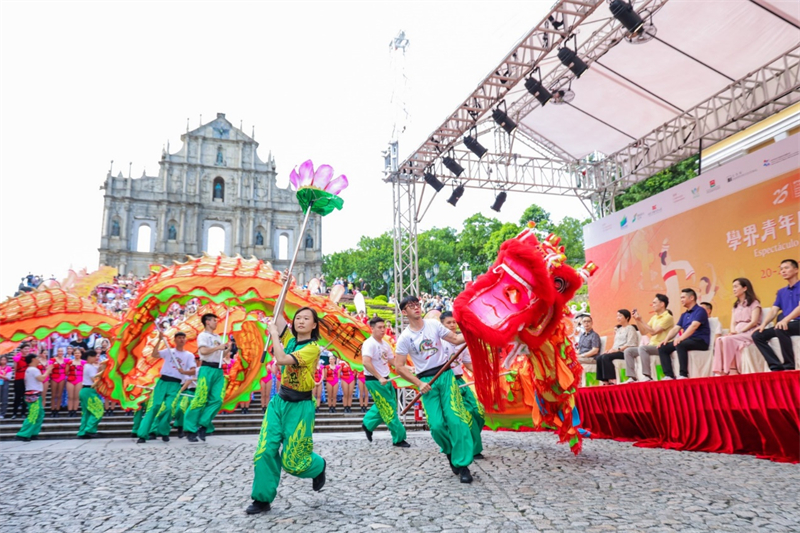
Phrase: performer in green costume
(447, 415)
(474, 408)
(91, 403)
(376, 355)
(289, 421)
(177, 363)
(198, 420)
(34, 385)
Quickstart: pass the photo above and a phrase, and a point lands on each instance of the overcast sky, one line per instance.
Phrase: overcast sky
(82, 84)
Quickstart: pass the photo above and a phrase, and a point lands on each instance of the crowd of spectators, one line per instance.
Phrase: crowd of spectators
(693, 332)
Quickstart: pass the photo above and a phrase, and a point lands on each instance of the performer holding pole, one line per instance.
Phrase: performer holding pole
(475, 409)
(198, 420)
(448, 417)
(376, 355)
(177, 363)
(91, 403)
(34, 385)
(289, 421)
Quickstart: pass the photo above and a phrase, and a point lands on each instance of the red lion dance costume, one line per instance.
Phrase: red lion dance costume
(522, 300)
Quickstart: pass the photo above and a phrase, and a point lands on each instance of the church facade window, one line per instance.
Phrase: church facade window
(115, 228)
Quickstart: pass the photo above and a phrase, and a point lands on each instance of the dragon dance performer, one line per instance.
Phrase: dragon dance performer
(91, 402)
(290, 418)
(34, 384)
(377, 354)
(177, 364)
(198, 420)
(476, 426)
(448, 417)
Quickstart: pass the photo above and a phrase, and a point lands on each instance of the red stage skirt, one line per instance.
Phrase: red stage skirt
(756, 414)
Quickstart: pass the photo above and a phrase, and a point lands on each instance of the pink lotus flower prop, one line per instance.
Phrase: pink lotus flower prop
(317, 190)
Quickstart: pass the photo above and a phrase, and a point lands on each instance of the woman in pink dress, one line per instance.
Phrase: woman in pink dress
(744, 321)
(74, 382)
(348, 377)
(59, 379)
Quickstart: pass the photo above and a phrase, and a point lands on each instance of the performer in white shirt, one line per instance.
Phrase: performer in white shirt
(376, 354)
(474, 407)
(34, 385)
(199, 418)
(92, 406)
(448, 417)
(177, 364)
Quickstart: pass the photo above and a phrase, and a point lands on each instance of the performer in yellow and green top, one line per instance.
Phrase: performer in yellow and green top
(289, 421)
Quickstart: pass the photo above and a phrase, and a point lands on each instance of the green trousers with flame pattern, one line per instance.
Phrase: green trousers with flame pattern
(384, 409)
(289, 424)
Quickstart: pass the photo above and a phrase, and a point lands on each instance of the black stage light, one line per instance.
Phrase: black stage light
(623, 12)
(502, 119)
(474, 146)
(456, 196)
(569, 58)
(499, 201)
(431, 180)
(537, 90)
(452, 165)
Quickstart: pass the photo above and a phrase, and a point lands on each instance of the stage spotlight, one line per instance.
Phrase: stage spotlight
(623, 12)
(569, 58)
(431, 180)
(499, 201)
(456, 196)
(452, 165)
(537, 90)
(474, 146)
(503, 121)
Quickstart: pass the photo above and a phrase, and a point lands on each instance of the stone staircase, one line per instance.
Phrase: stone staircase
(120, 423)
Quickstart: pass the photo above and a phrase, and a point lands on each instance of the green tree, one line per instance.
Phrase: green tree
(669, 177)
(571, 232)
(477, 231)
(538, 215)
(509, 230)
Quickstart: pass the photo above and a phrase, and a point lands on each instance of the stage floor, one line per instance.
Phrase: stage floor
(526, 483)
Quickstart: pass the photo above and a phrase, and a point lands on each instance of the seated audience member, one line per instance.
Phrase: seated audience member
(657, 329)
(787, 309)
(716, 325)
(695, 334)
(745, 319)
(588, 345)
(624, 337)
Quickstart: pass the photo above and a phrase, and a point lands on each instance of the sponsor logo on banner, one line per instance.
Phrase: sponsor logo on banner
(623, 222)
(677, 197)
(654, 210)
(606, 226)
(766, 162)
(696, 192)
(713, 186)
(778, 159)
(780, 195)
(637, 217)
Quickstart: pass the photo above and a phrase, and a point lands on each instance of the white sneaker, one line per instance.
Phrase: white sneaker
(666, 378)
(646, 378)
(629, 380)
(682, 377)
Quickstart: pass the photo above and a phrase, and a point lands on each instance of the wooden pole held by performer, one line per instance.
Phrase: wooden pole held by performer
(441, 371)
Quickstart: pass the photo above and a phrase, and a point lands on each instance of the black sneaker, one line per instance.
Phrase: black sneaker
(319, 481)
(202, 433)
(85, 436)
(465, 476)
(23, 439)
(452, 466)
(181, 434)
(134, 436)
(165, 438)
(368, 432)
(257, 507)
(191, 437)
(402, 444)
(478, 456)
(152, 436)
(141, 441)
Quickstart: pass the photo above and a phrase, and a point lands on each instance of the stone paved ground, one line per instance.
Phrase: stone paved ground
(527, 483)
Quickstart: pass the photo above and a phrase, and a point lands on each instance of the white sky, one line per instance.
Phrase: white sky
(84, 83)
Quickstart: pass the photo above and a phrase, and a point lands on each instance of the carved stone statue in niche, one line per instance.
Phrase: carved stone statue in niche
(259, 239)
(172, 233)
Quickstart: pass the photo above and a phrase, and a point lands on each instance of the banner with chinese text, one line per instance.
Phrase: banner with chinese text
(738, 220)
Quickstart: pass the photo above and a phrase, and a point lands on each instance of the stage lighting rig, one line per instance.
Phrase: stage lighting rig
(433, 181)
(471, 142)
(624, 13)
(500, 116)
(536, 88)
(452, 165)
(456, 196)
(499, 201)
(569, 58)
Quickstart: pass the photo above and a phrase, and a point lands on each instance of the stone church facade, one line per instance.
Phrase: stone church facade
(214, 192)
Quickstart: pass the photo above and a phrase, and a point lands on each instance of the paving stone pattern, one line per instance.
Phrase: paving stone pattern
(526, 483)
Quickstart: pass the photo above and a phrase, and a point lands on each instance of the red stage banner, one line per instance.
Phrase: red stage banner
(754, 414)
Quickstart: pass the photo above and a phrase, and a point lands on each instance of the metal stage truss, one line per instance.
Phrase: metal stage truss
(546, 156)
